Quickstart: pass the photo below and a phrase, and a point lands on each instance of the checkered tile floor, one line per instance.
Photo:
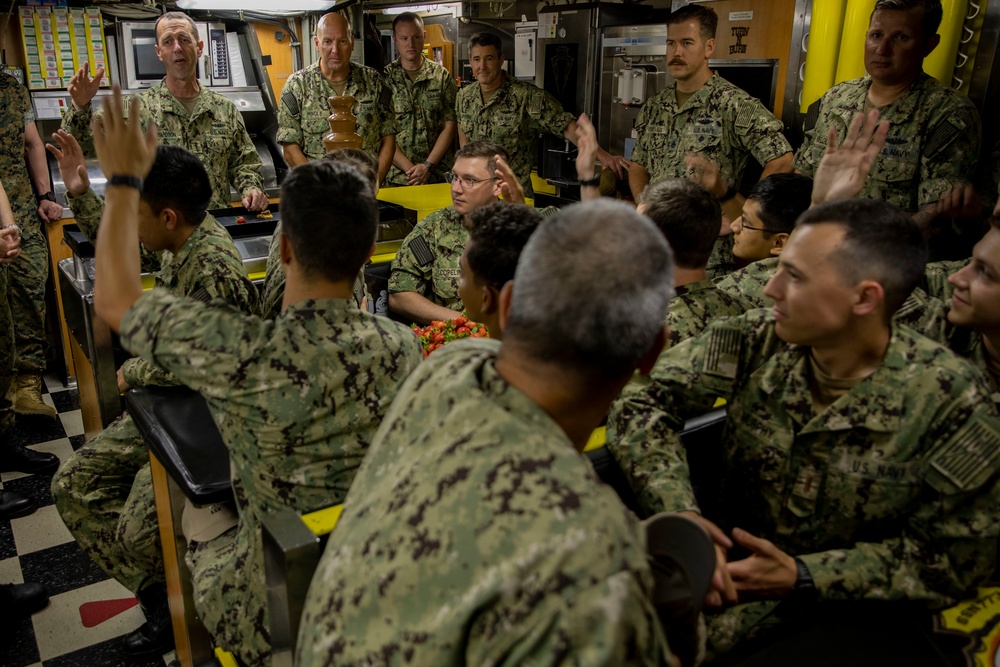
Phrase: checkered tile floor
(88, 612)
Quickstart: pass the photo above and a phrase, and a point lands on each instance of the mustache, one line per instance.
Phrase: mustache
(675, 61)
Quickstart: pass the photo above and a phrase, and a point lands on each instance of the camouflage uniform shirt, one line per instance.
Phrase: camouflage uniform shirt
(476, 534)
(208, 266)
(747, 284)
(297, 401)
(513, 117)
(695, 306)
(15, 114)
(427, 262)
(214, 132)
(719, 121)
(889, 493)
(933, 142)
(305, 108)
(422, 108)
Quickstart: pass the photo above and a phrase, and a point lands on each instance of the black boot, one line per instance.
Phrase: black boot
(19, 601)
(156, 635)
(14, 505)
(18, 458)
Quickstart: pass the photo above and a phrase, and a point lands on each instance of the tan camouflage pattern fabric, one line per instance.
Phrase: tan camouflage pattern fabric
(6, 355)
(422, 108)
(747, 284)
(933, 143)
(446, 236)
(214, 132)
(890, 493)
(476, 534)
(305, 108)
(273, 290)
(103, 492)
(720, 122)
(936, 274)
(297, 401)
(26, 276)
(513, 117)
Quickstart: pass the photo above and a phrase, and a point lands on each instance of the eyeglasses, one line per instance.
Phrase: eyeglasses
(746, 226)
(466, 182)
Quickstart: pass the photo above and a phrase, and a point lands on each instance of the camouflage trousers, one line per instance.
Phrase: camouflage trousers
(6, 354)
(230, 596)
(741, 623)
(28, 275)
(104, 494)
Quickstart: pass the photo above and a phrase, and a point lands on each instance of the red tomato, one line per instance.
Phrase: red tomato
(437, 324)
(463, 331)
(460, 321)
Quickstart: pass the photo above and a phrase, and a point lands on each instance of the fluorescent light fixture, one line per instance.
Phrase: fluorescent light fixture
(452, 8)
(268, 6)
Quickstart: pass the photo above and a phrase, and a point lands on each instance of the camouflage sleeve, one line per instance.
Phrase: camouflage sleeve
(200, 344)
(546, 112)
(87, 210)
(244, 162)
(77, 122)
(925, 315)
(387, 115)
(609, 623)
(411, 269)
(450, 92)
(760, 132)
(140, 373)
(290, 113)
(951, 150)
(948, 544)
(813, 146)
(639, 151)
(645, 422)
(273, 289)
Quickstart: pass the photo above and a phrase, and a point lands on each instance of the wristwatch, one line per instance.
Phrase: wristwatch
(429, 164)
(589, 182)
(48, 196)
(805, 587)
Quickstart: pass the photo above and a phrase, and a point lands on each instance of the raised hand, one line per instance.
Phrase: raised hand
(82, 88)
(844, 169)
(122, 147)
(510, 187)
(72, 165)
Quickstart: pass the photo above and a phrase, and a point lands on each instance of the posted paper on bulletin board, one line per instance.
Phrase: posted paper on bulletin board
(525, 43)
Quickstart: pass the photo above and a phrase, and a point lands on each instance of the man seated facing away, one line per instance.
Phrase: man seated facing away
(273, 290)
(873, 450)
(475, 532)
(497, 235)
(761, 232)
(423, 285)
(104, 491)
(296, 399)
(688, 216)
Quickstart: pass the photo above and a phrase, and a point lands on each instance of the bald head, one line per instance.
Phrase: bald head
(335, 43)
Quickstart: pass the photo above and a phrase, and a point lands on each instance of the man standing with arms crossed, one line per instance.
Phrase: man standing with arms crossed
(423, 96)
(304, 106)
(185, 115)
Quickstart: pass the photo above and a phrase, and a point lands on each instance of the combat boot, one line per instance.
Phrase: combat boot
(28, 397)
(155, 636)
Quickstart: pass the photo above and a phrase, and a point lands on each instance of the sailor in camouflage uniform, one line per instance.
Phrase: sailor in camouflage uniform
(475, 533)
(104, 492)
(934, 131)
(512, 113)
(19, 139)
(423, 95)
(423, 285)
(185, 114)
(703, 114)
(874, 451)
(302, 118)
(296, 399)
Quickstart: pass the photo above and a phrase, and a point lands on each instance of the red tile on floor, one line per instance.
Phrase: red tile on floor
(95, 613)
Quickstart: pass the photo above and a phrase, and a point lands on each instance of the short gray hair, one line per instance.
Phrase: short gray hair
(591, 290)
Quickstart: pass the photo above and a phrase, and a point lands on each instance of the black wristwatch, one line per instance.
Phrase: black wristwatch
(429, 164)
(48, 196)
(805, 587)
(590, 182)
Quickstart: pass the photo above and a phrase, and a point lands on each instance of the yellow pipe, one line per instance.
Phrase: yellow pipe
(825, 28)
(940, 64)
(851, 60)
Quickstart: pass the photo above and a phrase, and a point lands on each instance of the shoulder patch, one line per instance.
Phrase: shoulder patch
(722, 355)
(422, 251)
(971, 456)
(288, 101)
(746, 114)
(201, 294)
(944, 134)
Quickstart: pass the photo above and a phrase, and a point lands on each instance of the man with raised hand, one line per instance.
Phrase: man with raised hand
(296, 399)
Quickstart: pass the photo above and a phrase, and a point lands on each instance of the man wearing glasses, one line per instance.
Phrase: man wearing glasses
(424, 281)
